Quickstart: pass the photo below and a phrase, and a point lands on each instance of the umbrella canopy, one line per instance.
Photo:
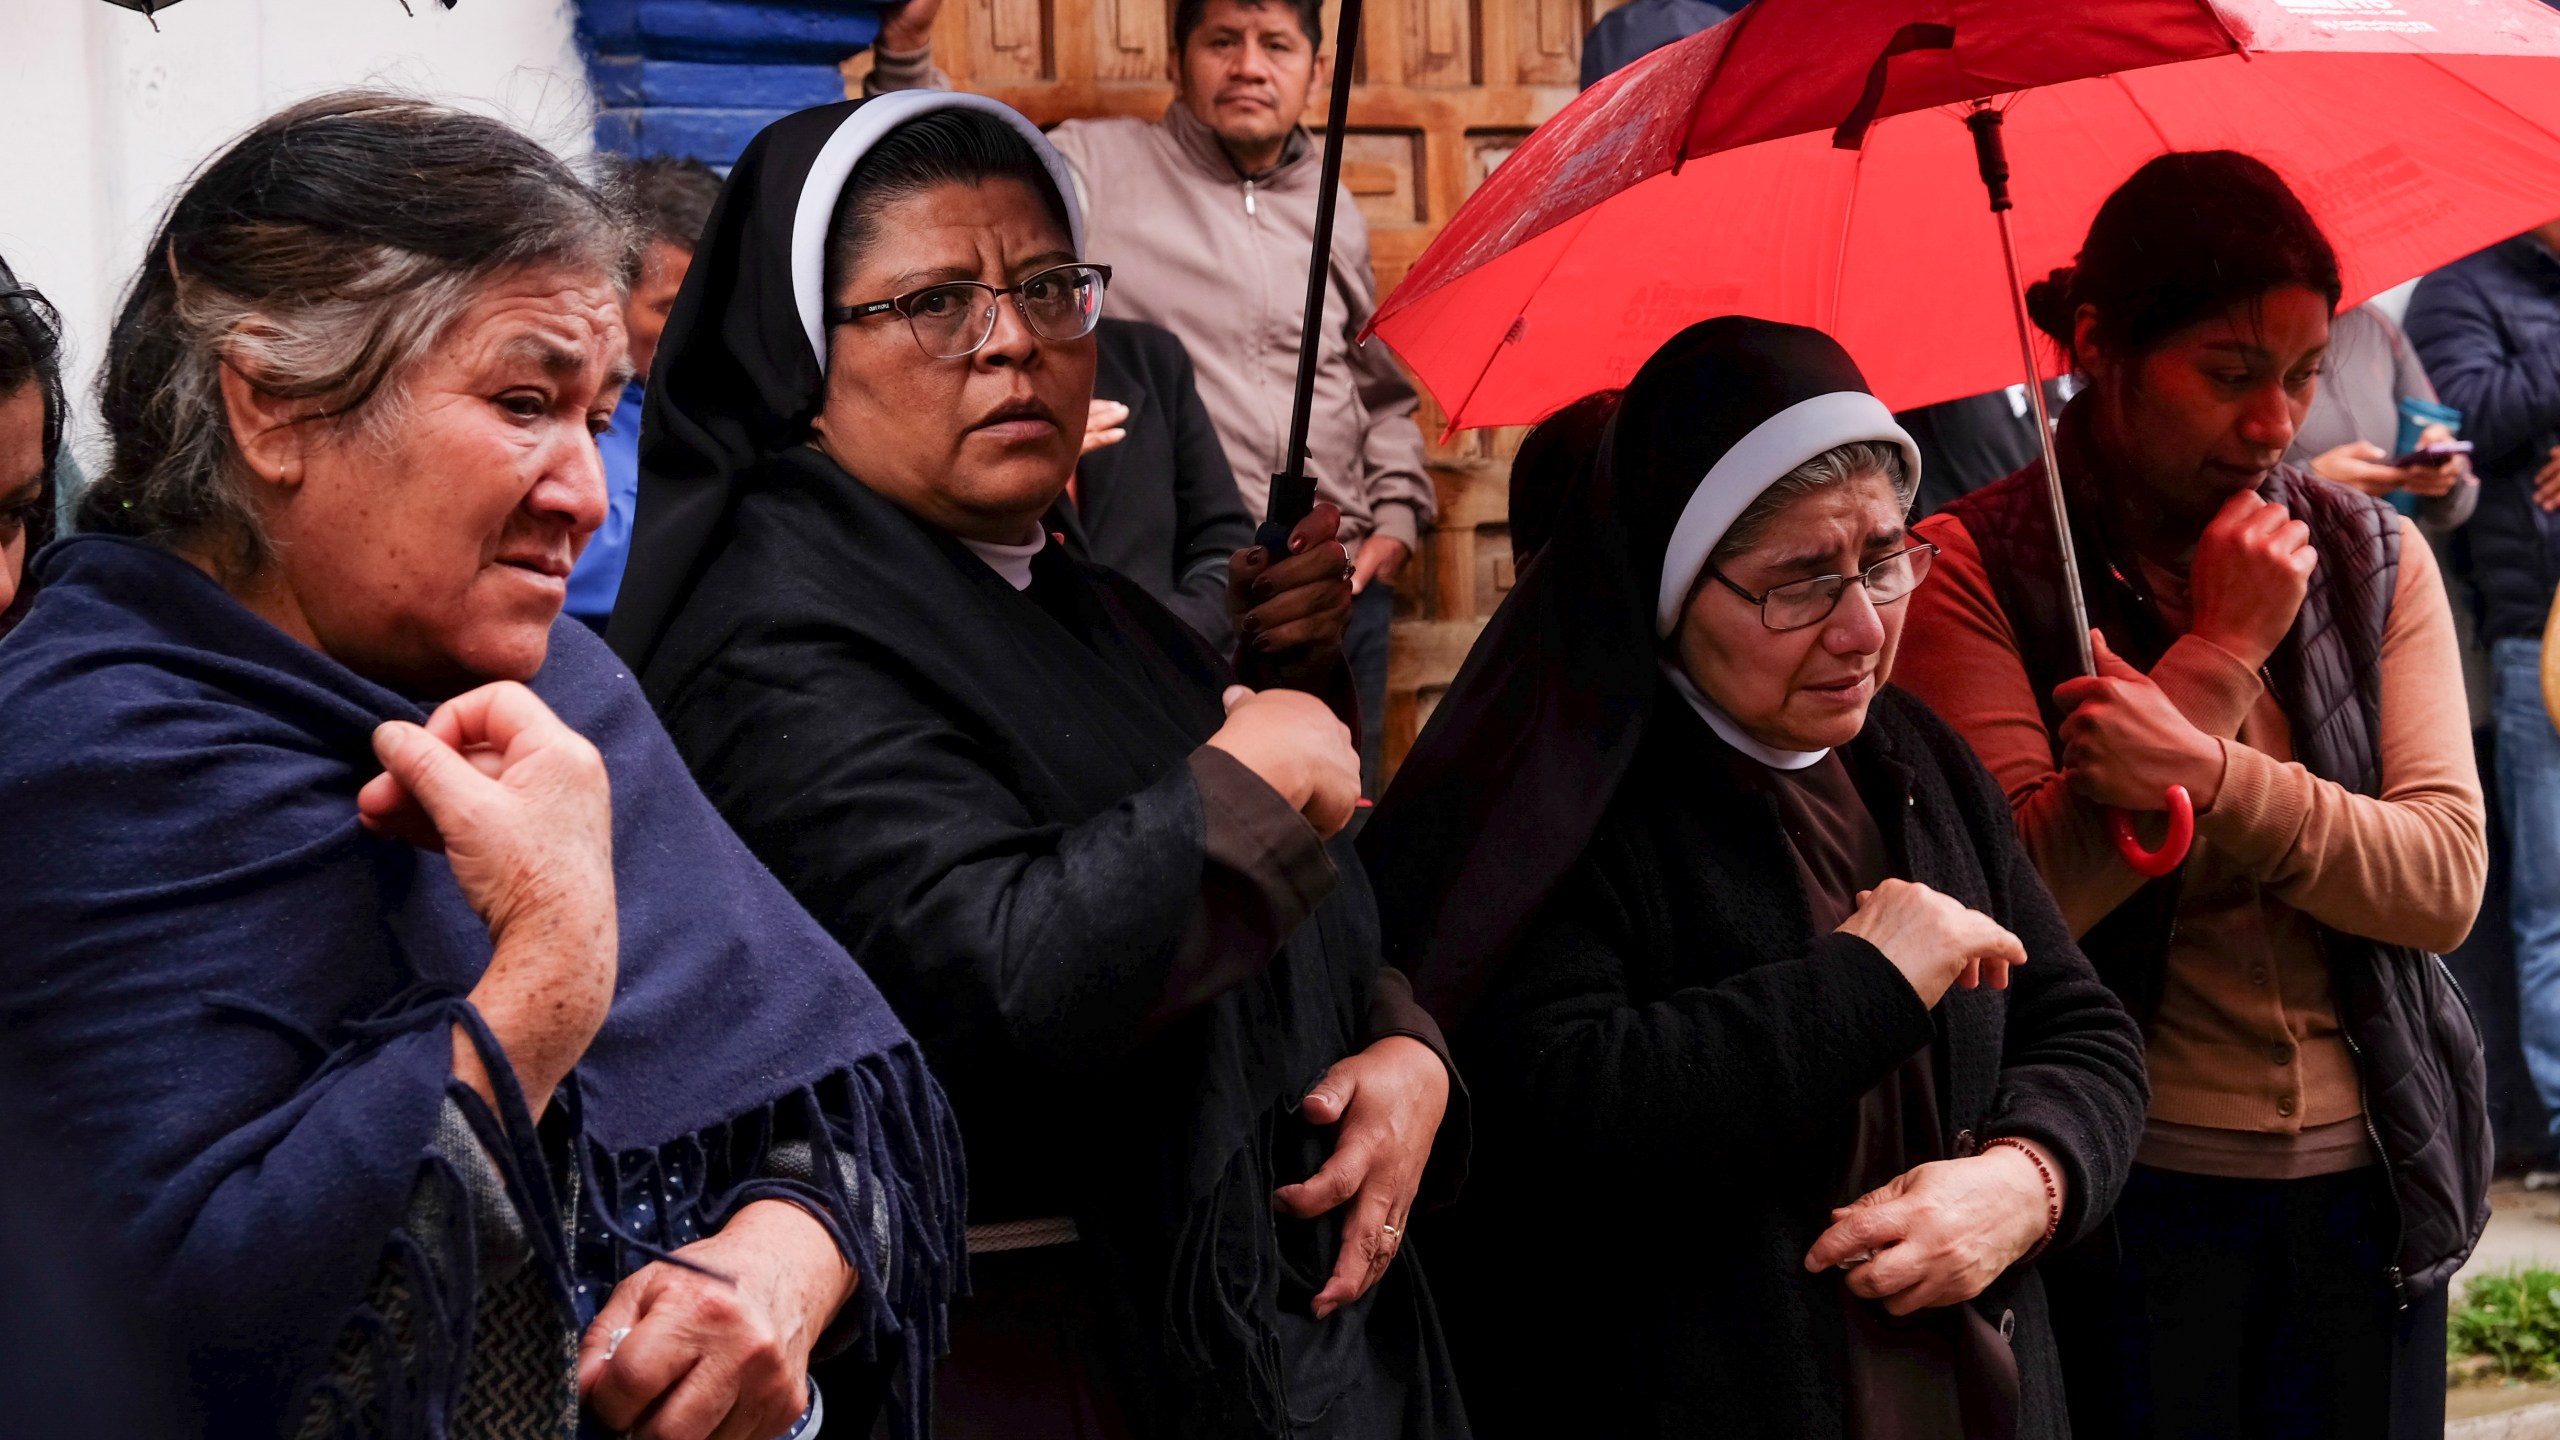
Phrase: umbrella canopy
(1732, 173)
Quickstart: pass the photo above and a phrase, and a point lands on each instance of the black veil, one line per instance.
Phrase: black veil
(1509, 780)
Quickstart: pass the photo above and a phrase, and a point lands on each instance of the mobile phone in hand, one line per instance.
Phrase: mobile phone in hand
(2432, 456)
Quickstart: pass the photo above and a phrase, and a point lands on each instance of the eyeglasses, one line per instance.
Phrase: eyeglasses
(1063, 302)
(1810, 602)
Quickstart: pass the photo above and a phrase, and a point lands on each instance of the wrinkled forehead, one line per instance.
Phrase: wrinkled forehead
(561, 322)
(862, 129)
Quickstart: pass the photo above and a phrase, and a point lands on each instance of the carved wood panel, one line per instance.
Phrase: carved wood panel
(1010, 41)
(1130, 38)
(1444, 90)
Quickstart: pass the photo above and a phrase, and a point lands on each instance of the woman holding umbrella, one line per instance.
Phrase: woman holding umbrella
(2314, 1164)
(1087, 865)
(1768, 1016)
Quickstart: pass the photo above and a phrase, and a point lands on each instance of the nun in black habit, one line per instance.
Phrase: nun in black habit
(1087, 867)
(1780, 1048)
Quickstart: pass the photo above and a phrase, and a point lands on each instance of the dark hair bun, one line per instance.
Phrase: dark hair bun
(2192, 235)
(2050, 306)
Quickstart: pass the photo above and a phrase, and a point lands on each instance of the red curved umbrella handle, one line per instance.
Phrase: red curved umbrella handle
(2172, 852)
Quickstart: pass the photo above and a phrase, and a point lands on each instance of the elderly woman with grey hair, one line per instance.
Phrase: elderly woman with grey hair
(1763, 1004)
(437, 1054)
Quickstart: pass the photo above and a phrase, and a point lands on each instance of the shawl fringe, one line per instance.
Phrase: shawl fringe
(887, 1180)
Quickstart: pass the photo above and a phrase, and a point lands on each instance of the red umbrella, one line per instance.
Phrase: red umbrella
(1705, 178)
(1824, 162)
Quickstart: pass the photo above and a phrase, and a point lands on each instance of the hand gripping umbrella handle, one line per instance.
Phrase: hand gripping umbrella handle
(2172, 852)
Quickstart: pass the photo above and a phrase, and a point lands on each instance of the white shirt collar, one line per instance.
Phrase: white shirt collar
(1013, 562)
(1729, 732)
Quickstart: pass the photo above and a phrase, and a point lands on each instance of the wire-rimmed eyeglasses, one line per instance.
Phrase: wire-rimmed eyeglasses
(1800, 603)
(955, 318)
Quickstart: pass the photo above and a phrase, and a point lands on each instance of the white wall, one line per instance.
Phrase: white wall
(101, 118)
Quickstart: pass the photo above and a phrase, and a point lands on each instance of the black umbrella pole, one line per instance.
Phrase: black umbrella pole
(1293, 491)
(1993, 158)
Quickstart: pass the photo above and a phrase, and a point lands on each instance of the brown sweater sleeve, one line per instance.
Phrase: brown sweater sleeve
(2403, 867)
(1265, 871)
(1959, 655)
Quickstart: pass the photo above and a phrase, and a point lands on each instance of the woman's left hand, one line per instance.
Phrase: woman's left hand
(1388, 1099)
(723, 1355)
(2124, 742)
(1940, 1233)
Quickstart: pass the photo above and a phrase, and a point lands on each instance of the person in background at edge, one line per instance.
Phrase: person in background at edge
(1640, 27)
(2315, 1164)
(2487, 329)
(668, 200)
(75, 1355)
(1091, 865)
(1208, 217)
(32, 411)
(1550, 464)
(2355, 417)
(1152, 496)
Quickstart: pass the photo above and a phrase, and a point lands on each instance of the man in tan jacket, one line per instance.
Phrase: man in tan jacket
(1207, 217)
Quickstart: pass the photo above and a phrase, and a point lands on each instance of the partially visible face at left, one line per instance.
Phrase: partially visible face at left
(439, 560)
(21, 481)
(1805, 689)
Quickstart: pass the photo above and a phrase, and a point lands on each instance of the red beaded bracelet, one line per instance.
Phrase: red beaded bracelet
(2052, 1192)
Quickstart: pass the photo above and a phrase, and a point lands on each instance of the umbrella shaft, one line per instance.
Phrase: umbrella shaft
(2044, 437)
(1299, 493)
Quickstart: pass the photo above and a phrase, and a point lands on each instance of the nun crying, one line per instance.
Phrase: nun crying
(1090, 869)
(1738, 937)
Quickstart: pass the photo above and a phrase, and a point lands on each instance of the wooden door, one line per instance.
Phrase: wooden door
(1446, 89)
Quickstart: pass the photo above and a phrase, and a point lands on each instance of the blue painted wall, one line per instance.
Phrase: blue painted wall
(701, 77)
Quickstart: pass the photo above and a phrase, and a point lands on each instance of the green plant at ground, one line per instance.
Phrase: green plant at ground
(2510, 1320)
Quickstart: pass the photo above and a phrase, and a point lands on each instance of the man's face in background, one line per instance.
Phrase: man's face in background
(1246, 71)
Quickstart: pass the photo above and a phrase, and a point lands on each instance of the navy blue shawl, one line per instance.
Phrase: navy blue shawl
(234, 1006)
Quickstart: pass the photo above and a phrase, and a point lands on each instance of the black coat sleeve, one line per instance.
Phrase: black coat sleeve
(1619, 1085)
(2072, 1077)
(1210, 522)
(895, 826)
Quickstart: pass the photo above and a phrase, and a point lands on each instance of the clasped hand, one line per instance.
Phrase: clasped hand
(721, 1351)
(1937, 1234)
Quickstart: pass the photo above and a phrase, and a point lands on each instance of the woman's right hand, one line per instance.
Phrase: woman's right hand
(1933, 940)
(2252, 567)
(1299, 747)
(520, 806)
